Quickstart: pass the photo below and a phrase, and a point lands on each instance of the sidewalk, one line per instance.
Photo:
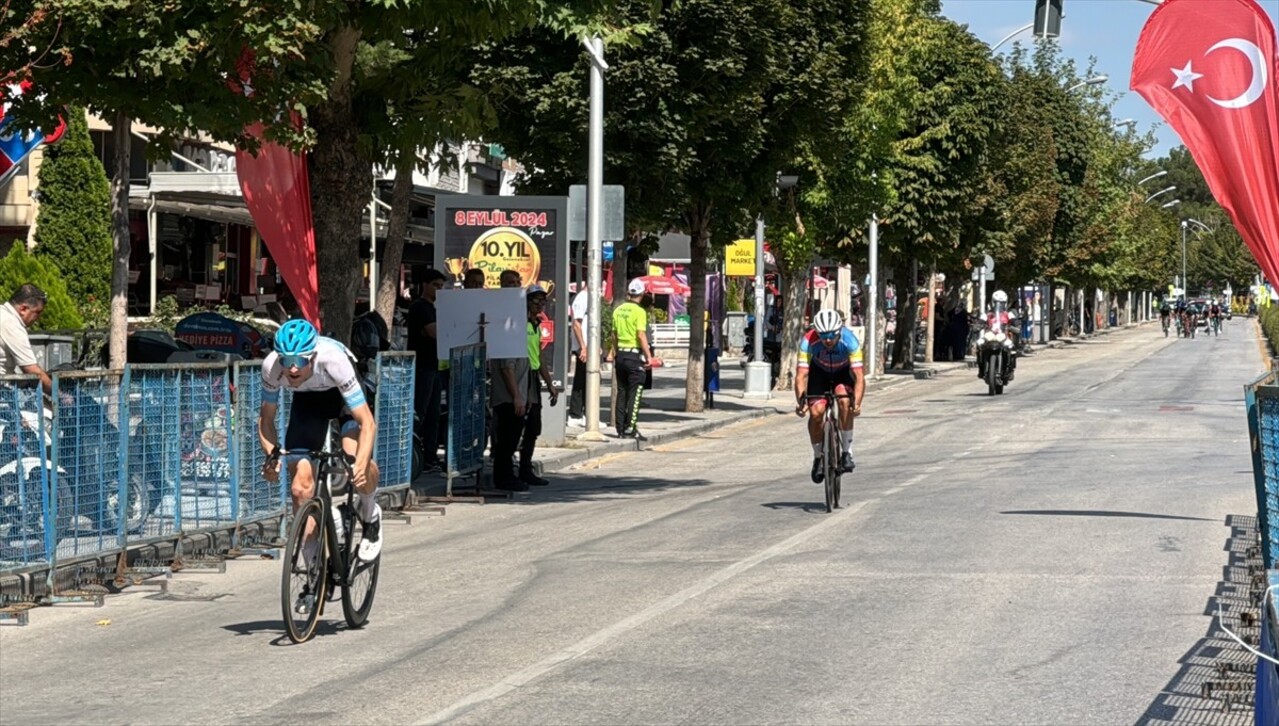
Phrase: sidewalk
(663, 419)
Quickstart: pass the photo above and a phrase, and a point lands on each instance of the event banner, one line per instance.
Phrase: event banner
(524, 234)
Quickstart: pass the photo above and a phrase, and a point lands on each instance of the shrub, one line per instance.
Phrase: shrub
(1268, 319)
(19, 268)
(73, 224)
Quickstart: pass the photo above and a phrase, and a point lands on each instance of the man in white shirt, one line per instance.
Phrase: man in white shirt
(579, 310)
(16, 356)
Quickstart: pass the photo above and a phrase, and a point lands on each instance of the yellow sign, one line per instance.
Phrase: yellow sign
(739, 258)
(504, 248)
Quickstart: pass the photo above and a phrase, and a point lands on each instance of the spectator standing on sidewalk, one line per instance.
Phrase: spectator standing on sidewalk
(580, 312)
(632, 357)
(421, 335)
(509, 278)
(517, 404)
(16, 356)
(473, 279)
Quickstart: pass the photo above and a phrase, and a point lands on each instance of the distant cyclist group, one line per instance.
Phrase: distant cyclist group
(1185, 317)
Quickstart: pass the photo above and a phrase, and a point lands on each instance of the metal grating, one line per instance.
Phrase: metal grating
(24, 481)
(1262, 398)
(394, 404)
(258, 497)
(155, 457)
(468, 406)
(89, 494)
(207, 497)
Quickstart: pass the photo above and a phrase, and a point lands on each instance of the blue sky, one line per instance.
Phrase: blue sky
(1106, 29)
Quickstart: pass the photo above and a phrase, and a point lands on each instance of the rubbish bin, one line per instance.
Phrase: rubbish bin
(711, 375)
(52, 350)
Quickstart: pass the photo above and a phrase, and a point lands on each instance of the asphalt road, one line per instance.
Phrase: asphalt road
(1044, 556)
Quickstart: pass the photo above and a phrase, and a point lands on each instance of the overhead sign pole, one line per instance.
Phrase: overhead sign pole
(594, 254)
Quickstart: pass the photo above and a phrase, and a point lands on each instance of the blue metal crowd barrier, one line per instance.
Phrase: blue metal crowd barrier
(115, 459)
(24, 476)
(394, 412)
(1262, 400)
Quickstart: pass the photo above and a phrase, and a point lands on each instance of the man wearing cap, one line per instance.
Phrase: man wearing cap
(517, 404)
(633, 356)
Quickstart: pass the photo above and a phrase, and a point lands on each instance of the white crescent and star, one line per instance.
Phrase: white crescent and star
(1256, 87)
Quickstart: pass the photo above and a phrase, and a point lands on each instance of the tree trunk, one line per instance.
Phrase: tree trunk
(388, 287)
(794, 298)
(931, 329)
(341, 176)
(907, 312)
(119, 326)
(699, 247)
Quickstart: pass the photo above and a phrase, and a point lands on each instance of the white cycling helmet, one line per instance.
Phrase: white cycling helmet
(1000, 296)
(828, 321)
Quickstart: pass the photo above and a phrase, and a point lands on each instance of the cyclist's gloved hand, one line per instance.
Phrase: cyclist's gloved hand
(271, 467)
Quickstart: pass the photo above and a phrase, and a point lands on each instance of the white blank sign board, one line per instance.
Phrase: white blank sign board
(457, 321)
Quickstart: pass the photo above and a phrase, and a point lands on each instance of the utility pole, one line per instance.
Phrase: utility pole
(595, 248)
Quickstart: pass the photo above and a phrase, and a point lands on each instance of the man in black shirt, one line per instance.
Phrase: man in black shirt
(427, 381)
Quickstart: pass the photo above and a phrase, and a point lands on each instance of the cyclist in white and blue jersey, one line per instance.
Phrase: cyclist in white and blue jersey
(321, 373)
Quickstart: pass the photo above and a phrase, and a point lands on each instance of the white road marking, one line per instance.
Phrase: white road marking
(600, 637)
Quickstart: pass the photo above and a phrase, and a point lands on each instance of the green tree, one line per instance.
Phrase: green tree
(73, 224)
(703, 108)
(940, 169)
(19, 268)
(330, 62)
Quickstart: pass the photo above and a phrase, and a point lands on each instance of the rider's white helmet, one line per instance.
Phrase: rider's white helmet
(1000, 296)
(828, 321)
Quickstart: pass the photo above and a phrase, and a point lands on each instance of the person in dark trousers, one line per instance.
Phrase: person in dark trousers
(421, 335)
(632, 357)
(517, 405)
(579, 314)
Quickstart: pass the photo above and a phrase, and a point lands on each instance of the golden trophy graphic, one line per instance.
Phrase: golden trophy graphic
(548, 286)
(457, 266)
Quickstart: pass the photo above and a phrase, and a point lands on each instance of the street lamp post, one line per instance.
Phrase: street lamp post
(1156, 175)
(1160, 192)
(759, 372)
(594, 253)
(1094, 81)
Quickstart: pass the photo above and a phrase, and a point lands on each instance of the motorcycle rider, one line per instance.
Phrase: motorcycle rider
(999, 319)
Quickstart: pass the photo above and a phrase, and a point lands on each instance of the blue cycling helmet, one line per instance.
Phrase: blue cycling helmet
(296, 337)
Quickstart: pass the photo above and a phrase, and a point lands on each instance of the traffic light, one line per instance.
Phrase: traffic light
(1048, 18)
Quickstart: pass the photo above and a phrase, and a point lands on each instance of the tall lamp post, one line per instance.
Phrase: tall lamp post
(759, 372)
(594, 253)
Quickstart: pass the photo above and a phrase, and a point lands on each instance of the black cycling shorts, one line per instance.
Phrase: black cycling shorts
(822, 381)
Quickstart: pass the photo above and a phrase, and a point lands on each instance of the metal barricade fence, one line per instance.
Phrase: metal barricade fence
(1262, 399)
(88, 482)
(258, 498)
(394, 414)
(26, 537)
(155, 457)
(151, 453)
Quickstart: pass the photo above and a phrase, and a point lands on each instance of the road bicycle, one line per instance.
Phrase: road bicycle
(334, 562)
(831, 450)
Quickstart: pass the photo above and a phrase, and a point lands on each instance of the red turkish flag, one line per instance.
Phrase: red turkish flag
(1209, 67)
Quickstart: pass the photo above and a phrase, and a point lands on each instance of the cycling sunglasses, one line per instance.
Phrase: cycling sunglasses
(834, 335)
(296, 361)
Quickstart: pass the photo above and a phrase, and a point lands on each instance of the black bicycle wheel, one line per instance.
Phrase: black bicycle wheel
(830, 460)
(361, 586)
(304, 578)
